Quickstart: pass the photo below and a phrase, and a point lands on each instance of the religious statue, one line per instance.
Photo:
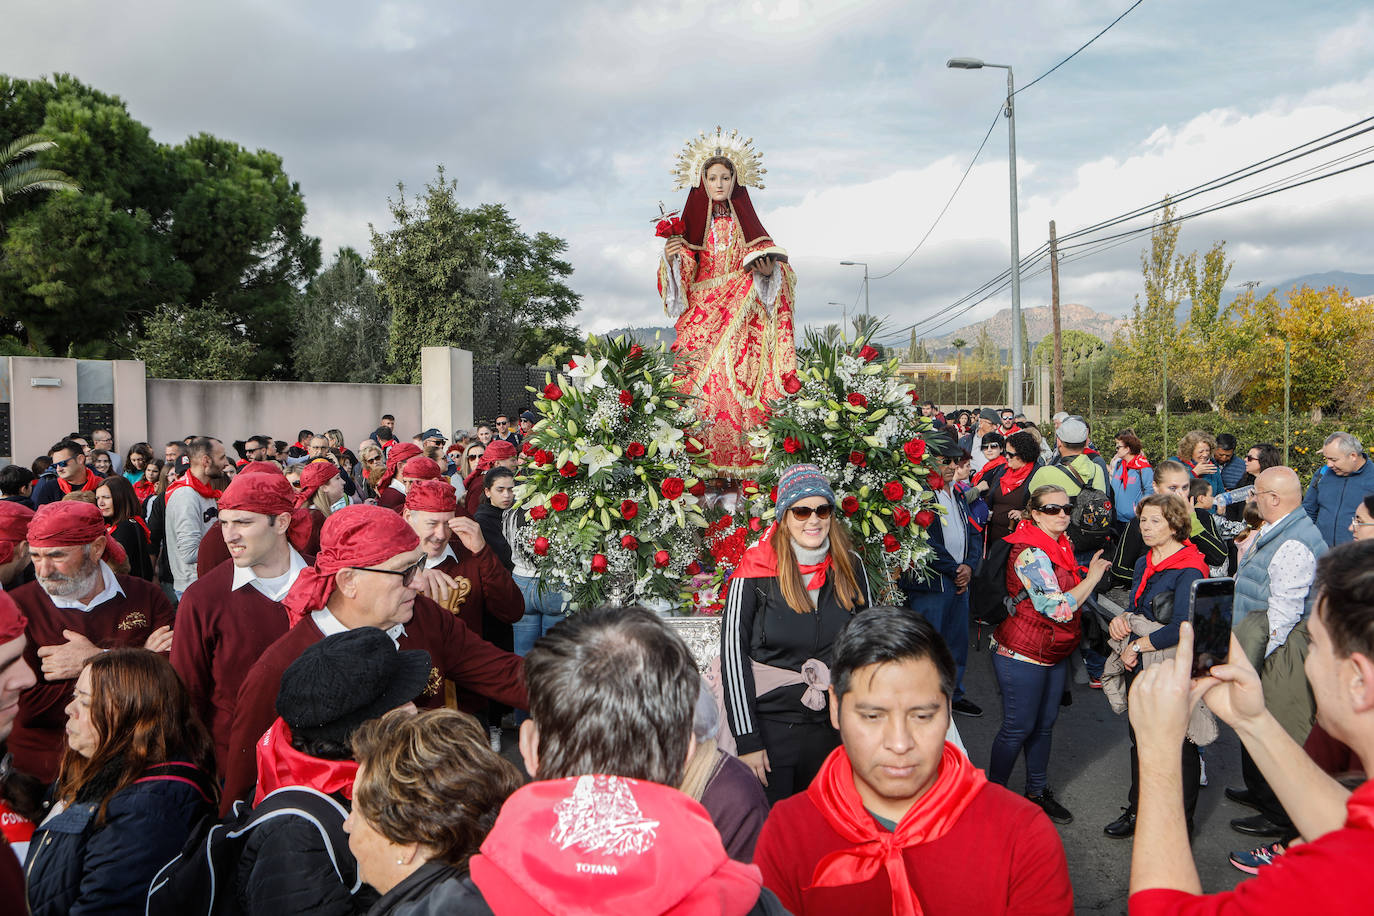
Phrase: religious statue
(730, 291)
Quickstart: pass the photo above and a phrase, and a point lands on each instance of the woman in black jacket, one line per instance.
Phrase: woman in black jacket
(789, 598)
(124, 522)
(1005, 484)
(134, 782)
(498, 495)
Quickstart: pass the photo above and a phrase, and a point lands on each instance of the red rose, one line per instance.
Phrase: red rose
(790, 383)
(629, 542)
(663, 229)
(755, 524)
(598, 562)
(552, 392)
(661, 559)
(539, 513)
(627, 398)
(694, 568)
(914, 395)
(925, 518)
(569, 469)
(672, 487)
(849, 505)
(891, 544)
(791, 445)
(773, 495)
(636, 351)
(543, 457)
(527, 449)
(541, 547)
(698, 489)
(559, 501)
(935, 481)
(629, 509)
(634, 450)
(857, 457)
(749, 487)
(894, 491)
(901, 517)
(868, 354)
(915, 450)
(677, 225)
(857, 399)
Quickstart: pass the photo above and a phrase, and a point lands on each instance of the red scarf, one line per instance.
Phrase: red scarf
(999, 462)
(1013, 478)
(933, 815)
(1132, 463)
(93, 480)
(760, 562)
(147, 533)
(145, 488)
(280, 764)
(191, 480)
(1059, 551)
(1188, 557)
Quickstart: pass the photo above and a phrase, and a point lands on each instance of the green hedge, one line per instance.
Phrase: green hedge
(1304, 447)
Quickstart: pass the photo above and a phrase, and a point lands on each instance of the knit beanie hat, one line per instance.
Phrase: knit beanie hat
(801, 481)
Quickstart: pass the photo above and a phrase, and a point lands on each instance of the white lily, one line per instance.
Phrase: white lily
(588, 371)
(667, 438)
(597, 458)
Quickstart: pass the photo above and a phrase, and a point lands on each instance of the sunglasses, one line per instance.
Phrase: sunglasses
(804, 512)
(992, 447)
(63, 463)
(946, 461)
(1252, 457)
(407, 575)
(1052, 510)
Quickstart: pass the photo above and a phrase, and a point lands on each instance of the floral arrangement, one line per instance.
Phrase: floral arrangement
(852, 416)
(611, 481)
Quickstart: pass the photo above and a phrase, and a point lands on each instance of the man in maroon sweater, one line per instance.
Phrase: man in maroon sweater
(231, 614)
(15, 677)
(391, 489)
(898, 820)
(366, 575)
(76, 608)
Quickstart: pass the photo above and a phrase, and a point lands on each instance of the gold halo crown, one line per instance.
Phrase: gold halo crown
(749, 170)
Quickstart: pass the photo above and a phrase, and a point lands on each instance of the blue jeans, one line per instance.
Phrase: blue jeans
(1030, 706)
(542, 611)
(948, 613)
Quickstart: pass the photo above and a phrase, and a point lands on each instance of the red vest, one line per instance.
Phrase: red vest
(1029, 632)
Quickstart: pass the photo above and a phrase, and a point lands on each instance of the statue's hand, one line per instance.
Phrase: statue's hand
(764, 267)
(673, 247)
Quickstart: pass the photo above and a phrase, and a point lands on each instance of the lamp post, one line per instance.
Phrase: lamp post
(864, 265)
(973, 63)
(844, 313)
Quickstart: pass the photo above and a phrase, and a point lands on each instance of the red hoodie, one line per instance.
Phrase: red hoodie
(609, 844)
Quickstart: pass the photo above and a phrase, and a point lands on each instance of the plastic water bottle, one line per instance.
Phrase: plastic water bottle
(1238, 495)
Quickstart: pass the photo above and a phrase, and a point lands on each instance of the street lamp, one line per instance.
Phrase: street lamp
(844, 313)
(864, 265)
(973, 63)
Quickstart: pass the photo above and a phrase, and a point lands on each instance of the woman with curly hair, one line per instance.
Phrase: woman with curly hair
(1195, 453)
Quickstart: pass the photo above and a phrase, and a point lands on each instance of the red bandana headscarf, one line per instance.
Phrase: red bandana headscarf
(761, 562)
(280, 764)
(394, 459)
(12, 620)
(939, 809)
(497, 450)
(315, 475)
(432, 496)
(354, 536)
(421, 468)
(72, 524)
(14, 527)
(270, 495)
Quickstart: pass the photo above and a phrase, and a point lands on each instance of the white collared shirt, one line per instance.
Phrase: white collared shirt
(397, 485)
(112, 588)
(431, 562)
(330, 625)
(975, 452)
(275, 587)
(951, 526)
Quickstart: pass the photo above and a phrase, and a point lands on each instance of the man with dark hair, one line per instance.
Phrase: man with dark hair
(603, 828)
(192, 508)
(388, 421)
(972, 442)
(1326, 873)
(16, 484)
(505, 433)
(1230, 465)
(862, 838)
(69, 461)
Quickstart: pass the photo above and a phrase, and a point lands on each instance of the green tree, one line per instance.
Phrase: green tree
(1216, 351)
(1153, 331)
(1079, 347)
(20, 174)
(340, 324)
(987, 356)
(201, 341)
(917, 352)
(958, 344)
(470, 278)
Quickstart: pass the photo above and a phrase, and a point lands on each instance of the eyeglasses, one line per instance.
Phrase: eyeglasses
(947, 461)
(992, 447)
(804, 512)
(1252, 457)
(1357, 524)
(1258, 493)
(64, 462)
(407, 575)
(1052, 510)
(377, 459)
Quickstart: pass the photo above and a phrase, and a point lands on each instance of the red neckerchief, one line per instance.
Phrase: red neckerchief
(760, 562)
(999, 462)
(1132, 463)
(1060, 551)
(939, 809)
(191, 480)
(1188, 557)
(147, 534)
(145, 488)
(93, 480)
(280, 764)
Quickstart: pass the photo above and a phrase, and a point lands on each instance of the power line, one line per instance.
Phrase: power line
(1080, 48)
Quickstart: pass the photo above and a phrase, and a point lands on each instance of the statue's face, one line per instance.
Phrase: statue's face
(720, 182)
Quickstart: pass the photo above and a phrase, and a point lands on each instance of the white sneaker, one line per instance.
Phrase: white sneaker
(494, 737)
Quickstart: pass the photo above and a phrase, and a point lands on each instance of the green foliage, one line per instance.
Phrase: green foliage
(1079, 348)
(469, 278)
(202, 342)
(21, 175)
(1153, 331)
(341, 325)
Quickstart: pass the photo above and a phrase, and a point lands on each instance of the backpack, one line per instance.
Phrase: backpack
(1090, 525)
(200, 880)
(988, 599)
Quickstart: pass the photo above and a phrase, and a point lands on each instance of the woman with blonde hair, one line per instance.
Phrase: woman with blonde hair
(1195, 454)
(788, 599)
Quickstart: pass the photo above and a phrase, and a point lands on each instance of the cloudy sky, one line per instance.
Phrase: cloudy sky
(571, 114)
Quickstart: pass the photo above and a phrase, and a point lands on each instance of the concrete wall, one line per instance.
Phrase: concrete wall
(40, 416)
(236, 410)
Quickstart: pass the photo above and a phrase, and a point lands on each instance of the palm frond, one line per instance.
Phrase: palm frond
(27, 145)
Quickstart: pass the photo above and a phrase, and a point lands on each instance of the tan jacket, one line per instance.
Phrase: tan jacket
(1202, 725)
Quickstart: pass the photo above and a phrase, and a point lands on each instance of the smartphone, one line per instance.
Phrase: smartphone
(1209, 610)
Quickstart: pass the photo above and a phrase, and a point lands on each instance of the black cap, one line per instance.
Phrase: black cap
(530, 415)
(432, 433)
(346, 679)
(992, 416)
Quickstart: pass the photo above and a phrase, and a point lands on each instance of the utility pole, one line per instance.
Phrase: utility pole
(1058, 338)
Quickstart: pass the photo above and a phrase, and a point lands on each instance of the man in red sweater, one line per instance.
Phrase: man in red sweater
(1323, 874)
(15, 677)
(230, 615)
(77, 608)
(366, 575)
(898, 820)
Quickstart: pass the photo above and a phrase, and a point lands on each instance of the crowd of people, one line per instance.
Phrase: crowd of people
(279, 680)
